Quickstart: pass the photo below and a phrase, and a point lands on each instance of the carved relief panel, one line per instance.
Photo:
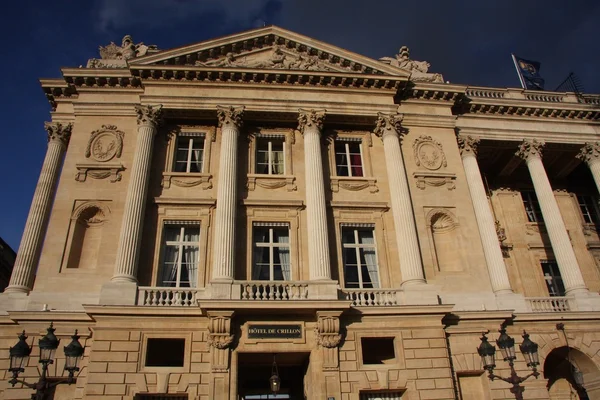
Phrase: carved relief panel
(104, 145)
(429, 155)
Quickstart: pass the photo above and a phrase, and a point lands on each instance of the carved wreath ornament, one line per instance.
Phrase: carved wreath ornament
(105, 144)
(429, 153)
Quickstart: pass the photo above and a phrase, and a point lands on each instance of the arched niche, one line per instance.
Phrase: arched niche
(444, 236)
(559, 366)
(85, 236)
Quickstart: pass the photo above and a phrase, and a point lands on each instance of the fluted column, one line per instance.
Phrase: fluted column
(590, 154)
(531, 152)
(230, 122)
(310, 123)
(388, 128)
(37, 220)
(484, 217)
(148, 118)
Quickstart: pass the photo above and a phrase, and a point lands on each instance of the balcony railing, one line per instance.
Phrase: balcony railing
(167, 296)
(549, 304)
(371, 297)
(270, 290)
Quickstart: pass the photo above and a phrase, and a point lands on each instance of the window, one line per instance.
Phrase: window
(165, 352)
(553, 279)
(589, 209)
(532, 206)
(271, 253)
(270, 156)
(189, 156)
(378, 350)
(348, 158)
(360, 257)
(380, 395)
(181, 251)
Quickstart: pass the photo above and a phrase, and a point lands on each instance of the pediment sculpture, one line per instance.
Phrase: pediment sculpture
(114, 56)
(276, 58)
(418, 69)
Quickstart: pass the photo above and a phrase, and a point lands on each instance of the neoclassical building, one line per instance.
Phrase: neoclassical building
(268, 204)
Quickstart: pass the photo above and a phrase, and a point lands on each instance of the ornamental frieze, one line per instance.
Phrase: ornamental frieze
(429, 153)
(105, 144)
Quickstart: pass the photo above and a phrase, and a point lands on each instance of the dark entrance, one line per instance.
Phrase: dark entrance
(255, 369)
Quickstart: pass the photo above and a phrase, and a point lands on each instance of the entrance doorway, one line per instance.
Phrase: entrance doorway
(255, 369)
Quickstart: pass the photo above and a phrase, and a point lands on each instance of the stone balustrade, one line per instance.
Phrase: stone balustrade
(274, 290)
(167, 296)
(372, 297)
(550, 304)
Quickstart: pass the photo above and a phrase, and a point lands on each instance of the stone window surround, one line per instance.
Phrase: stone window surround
(373, 218)
(189, 179)
(353, 183)
(382, 333)
(280, 215)
(191, 214)
(267, 181)
(166, 335)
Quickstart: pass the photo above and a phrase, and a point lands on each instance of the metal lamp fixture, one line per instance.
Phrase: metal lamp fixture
(48, 345)
(274, 380)
(506, 344)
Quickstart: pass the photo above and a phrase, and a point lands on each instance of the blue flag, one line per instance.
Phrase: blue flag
(529, 73)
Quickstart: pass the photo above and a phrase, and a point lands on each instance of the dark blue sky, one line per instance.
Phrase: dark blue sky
(468, 41)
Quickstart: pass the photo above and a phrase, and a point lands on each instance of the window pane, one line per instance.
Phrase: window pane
(351, 277)
(181, 256)
(553, 278)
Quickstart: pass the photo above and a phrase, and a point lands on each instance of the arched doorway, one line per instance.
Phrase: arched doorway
(559, 369)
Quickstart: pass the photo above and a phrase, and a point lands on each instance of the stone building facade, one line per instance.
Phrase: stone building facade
(264, 201)
(7, 260)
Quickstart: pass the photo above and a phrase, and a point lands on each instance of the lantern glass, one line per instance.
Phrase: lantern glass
(487, 353)
(17, 362)
(506, 345)
(275, 383)
(48, 345)
(73, 353)
(19, 354)
(530, 351)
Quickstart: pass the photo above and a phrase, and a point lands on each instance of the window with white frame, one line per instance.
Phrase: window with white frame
(180, 254)
(270, 155)
(589, 209)
(532, 206)
(360, 257)
(553, 279)
(348, 158)
(271, 251)
(189, 155)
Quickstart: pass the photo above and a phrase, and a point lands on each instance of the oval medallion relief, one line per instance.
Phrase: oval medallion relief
(429, 153)
(105, 144)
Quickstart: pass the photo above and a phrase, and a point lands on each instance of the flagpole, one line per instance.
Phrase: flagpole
(518, 72)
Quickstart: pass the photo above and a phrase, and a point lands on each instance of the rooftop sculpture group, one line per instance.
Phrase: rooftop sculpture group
(418, 69)
(113, 56)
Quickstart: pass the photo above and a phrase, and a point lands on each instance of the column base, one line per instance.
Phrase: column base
(15, 301)
(511, 301)
(120, 293)
(224, 289)
(325, 289)
(17, 289)
(420, 293)
(586, 300)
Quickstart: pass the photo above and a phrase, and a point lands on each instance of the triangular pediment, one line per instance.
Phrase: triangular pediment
(269, 48)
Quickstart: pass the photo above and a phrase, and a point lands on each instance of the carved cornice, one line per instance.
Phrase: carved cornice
(230, 116)
(467, 145)
(388, 124)
(59, 132)
(589, 153)
(219, 332)
(328, 331)
(529, 149)
(149, 115)
(310, 119)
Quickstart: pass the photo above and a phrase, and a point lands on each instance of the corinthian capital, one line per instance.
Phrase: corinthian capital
(388, 124)
(230, 116)
(58, 132)
(529, 149)
(310, 118)
(467, 145)
(149, 115)
(589, 153)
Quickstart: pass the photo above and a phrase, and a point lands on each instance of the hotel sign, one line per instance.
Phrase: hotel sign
(272, 331)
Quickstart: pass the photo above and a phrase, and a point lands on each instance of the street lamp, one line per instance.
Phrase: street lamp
(48, 345)
(506, 344)
(274, 380)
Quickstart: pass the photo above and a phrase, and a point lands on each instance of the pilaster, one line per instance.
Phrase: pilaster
(590, 154)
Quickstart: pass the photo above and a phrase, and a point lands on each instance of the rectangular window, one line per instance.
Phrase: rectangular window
(589, 209)
(271, 252)
(386, 395)
(360, 257)
(189, 156)
(348, 158)
(165, 352)
(180, 254)
(532, 206)
(378, 350)
(270, 156)
(553, 279)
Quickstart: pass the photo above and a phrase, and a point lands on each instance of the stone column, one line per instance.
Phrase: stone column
(310, 123)
(531, 152)
(148, 118)
(230, 122)
(39, 213)
(590, 154)
(388, 128)
(483, 215)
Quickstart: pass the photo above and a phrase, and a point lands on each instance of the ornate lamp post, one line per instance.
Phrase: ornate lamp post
(507, 348)
(48, 345)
